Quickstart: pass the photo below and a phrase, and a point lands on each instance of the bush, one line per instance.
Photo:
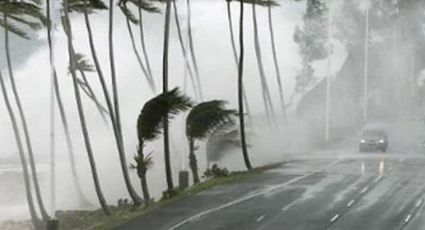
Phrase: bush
(215, 172)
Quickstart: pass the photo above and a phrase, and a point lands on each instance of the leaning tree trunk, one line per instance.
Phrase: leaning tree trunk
(139, 58)
(235, 55)
(34, 218)
(24, 125)
(265, 89)
(82, 198)
(276, 64)
(192, 161)
(141, 171)
(142, 41)
(240, 90)
(115, 109)
(192, 50)
(185, 56)
(168, 171)
(81, 114)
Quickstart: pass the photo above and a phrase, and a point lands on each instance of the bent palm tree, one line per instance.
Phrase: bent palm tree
(34, 218)
(28, 14)
(58, 95)
(240, 89)
(72, 60)
(130, 18)
(275, 60)
(149, 125)
(203, 120)
(88, 8)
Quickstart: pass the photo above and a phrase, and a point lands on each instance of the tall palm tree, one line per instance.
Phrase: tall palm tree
(203, 120)
(34, 218)
(58, 96)
(275, 60)
(131, 18)
(185, 55)
(149, 124)
(264, 85)
(235, 54)
(240, 89)
(18, 12)
(168, 172)
(192, 49)
(116, 107)
(142, 41)
(88, 8)
(87, 142)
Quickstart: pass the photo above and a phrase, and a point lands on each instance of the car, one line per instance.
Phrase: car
(373, 139)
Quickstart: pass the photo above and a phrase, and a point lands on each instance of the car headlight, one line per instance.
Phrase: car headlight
(362, 141)
(381, 141)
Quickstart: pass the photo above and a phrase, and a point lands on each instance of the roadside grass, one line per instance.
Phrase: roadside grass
(98, 220)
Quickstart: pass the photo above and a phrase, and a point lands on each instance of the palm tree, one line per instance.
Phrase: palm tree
(88, 8)
(168, 172)
(202, 121)
(19, 12)
(265, 88)
(185, 55)
(34, 218)
(235, 55)
(149, 124)
(275, 60)
(130, 18)
(72, 60)
(192, 49)
(62, 113)
(142, 41)
(240, 88)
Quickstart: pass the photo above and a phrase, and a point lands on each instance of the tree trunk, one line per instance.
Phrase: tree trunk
(168, 171)
(276, 64)
(24, 126)
(192, 161)
(240, 90)
(235, 55)
(139, 58)
(185, 56)
(82, 198)
(142, 41)
(265, 89)
(88, 90)
(34, 218)
(114, 109)
(192, 50)
(142, 170)
(81, 115)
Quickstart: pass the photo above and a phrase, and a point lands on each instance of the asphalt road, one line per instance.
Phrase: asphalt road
(365, 191)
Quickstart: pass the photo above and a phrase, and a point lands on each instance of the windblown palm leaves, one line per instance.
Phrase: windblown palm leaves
(20, 16)
(150, 124)
(202, 121)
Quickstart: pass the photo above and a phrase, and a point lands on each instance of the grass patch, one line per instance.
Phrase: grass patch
(98, 220)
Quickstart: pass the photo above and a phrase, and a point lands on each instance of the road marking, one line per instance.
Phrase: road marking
(408, 217)
(364, 190)
(350, 203)
(334, 218)
(253, 195)
(260, 218)
(418, 203)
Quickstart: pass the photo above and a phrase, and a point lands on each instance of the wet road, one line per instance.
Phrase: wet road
(368, 191)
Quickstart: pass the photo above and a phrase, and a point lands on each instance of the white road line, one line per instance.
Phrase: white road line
(260, 218)
(408, 217)
(350, 203)
(364, 190)
(418, 203)
(334, 218)
(250, 196)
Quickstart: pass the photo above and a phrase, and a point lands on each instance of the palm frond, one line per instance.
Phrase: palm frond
(88, 6)
(82, 64)
(13, 28)
(165, 105)
(23, 9)
(206, 117)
